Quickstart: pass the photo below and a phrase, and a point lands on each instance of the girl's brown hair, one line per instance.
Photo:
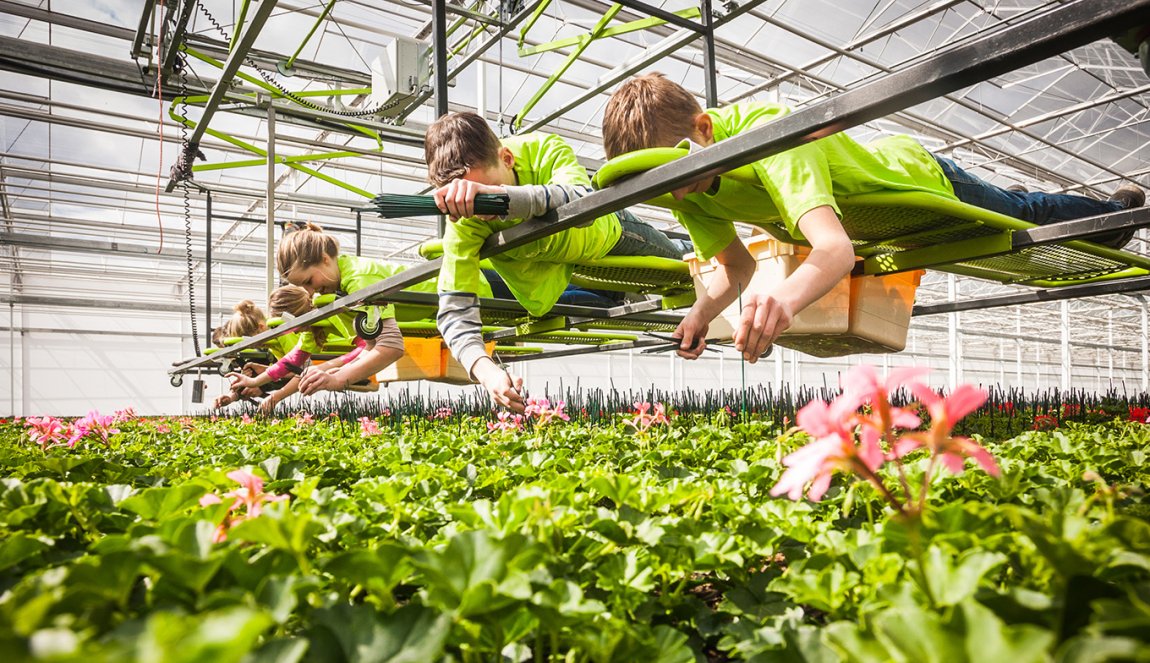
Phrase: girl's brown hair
(295, 301)
(303, 248)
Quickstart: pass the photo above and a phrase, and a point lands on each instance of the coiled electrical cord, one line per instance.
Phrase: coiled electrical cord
(284, 91)
(181, 67)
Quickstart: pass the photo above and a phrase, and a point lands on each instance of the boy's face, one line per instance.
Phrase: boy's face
(322, 277)
(704, 135)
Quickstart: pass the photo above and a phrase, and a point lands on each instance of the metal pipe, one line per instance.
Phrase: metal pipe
(270, 203)
(207, 271)
(673, 19)
(710, 72)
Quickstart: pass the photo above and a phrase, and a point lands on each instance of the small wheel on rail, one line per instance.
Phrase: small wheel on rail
(366, 328)
(177, 380)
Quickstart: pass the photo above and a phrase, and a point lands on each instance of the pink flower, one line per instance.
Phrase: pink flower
(442, 413)
(863, 382)
(834, 449)
(251, 493)
(944, 414)
(647, 416)
(100, 424)
(163, 428)
(246, 419)
(186, 423)
(127, 414)
(368, 427)
(506, 422)
(542, 409)
(45, 431)
(304, 419)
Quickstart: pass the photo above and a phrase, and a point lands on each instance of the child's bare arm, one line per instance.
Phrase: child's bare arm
(766, 315)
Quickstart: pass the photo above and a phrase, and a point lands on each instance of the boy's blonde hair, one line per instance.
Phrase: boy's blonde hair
(295, 301)
(648, 111)
(303, 248)
(457, 142)
(247, 320)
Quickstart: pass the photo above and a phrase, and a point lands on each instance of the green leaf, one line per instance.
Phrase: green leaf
(19, 547)
(161, 503)
(359, 634)
(280, 650)
(223, 636)
(477, 573)
(953, 580)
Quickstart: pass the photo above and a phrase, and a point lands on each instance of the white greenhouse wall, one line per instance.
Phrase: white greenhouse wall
(67, 361)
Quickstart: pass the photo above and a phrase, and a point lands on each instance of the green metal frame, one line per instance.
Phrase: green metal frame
(294, 162)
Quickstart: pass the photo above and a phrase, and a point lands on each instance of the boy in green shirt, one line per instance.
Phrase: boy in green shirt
(798, 191)
(538, 172)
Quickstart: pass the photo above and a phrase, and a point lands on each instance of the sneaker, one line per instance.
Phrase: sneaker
(1130, 196)
(1018, 188)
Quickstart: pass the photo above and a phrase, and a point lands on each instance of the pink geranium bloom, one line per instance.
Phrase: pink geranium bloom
(246, 419)
(545, 412)
(506, 422)
(834, 449)
(101, 425)
(251, 493)
(647, 415)
(304, 419)
(127, 414)
(46, 431)
(944, 414)
(864, 383)
(368, 427)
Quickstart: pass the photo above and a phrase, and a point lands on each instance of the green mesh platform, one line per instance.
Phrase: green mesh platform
(643, 274)
(949, 231)
(890, 222)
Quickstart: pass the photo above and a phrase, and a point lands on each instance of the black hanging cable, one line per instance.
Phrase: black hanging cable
(182, 71)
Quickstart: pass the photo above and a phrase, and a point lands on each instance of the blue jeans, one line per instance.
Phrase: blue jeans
(572, 295)
(1035, 206)
(640, 239)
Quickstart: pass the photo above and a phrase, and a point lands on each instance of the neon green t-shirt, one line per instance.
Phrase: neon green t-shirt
(800, 179)
(281, 345)
(356, 273)
(536, 273)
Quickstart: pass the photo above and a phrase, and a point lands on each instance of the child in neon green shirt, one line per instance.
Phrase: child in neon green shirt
(538, 172)
(797, 190)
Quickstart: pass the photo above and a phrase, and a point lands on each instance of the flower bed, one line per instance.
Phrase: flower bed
(646, 536)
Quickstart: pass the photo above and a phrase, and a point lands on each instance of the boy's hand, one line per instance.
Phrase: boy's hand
(457, 198)
(693, 331)
(315, 380)
(499, 384)
(764, 317)
(223, 400)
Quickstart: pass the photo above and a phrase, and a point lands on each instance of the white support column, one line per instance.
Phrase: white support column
(1067, 361)
(954, 367)
(481, 89)
(1037, 365)
(1018, 347)
(778, 368)
(1110, 342)
(270, 247)
(1145, 346)
(630, 369)
(794, 368)
(722, 371)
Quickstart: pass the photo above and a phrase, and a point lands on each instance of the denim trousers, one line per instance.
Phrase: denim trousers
(641, 239)
(1034, 206)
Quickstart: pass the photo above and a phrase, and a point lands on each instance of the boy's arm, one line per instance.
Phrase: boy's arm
(766, 315)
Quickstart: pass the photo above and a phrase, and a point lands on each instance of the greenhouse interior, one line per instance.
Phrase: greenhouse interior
(569, 330)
